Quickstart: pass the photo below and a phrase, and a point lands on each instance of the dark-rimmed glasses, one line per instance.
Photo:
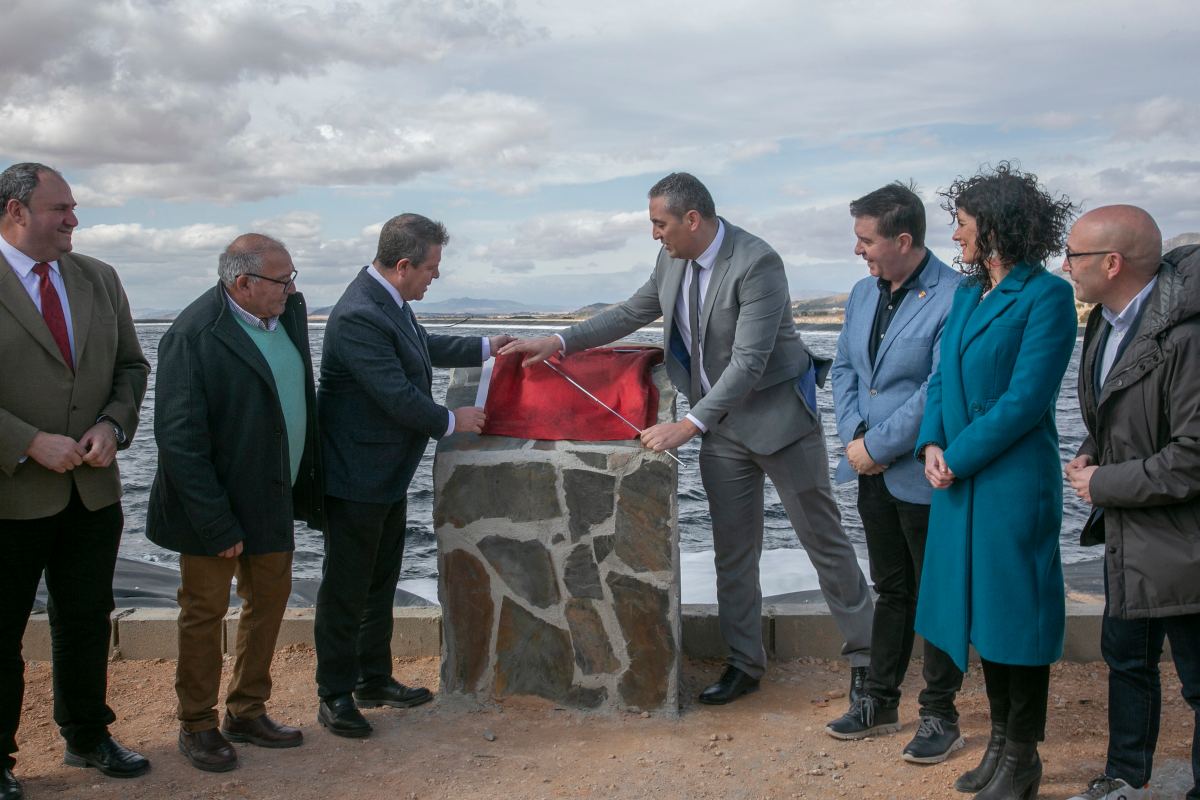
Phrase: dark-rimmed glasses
(285, 283)
(1069, 255)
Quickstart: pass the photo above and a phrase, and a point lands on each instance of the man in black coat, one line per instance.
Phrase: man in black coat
(238, 461)
(377, 414)
(1139, 467)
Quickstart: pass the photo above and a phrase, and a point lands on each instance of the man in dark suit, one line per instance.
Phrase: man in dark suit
(377, 414)
(733, 349)
(236, 425)
(74, 379)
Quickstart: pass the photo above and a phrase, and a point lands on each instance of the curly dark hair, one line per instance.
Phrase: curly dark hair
(1015, 218)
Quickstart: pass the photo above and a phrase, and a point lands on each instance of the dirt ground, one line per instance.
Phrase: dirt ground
(767, 745)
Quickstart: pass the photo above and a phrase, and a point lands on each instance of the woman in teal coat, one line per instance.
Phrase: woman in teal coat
(992, 576)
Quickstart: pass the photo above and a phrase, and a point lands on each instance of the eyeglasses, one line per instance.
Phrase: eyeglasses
(291, 278)
(1069, 255)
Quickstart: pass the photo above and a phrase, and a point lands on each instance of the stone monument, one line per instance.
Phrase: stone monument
(558, 566)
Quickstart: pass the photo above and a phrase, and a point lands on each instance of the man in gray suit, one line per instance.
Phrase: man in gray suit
(886, 352)
(745, 371)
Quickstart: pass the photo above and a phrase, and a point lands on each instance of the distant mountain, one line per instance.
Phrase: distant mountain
(475, 305)
(142, 314)
(592, 310)
(1180, 240)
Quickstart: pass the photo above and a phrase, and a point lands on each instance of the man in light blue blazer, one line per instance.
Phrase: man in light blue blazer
(886, 352)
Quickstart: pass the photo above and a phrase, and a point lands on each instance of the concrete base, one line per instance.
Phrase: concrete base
(789, 632)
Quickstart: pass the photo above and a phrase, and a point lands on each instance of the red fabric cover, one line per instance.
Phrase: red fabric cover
(538, 403)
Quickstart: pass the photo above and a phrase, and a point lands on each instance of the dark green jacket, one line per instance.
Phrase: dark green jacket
(224, 472)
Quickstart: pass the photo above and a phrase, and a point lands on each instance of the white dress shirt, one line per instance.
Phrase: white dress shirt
(395, 294)
(23, 265)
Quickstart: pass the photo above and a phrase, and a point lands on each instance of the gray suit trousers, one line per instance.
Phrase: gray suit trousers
(733, 479)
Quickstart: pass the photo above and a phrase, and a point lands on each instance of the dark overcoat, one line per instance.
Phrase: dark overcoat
(224, 471)
(992, 574)
(1144, 433)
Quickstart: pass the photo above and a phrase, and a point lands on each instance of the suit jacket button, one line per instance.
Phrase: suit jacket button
(874, 392)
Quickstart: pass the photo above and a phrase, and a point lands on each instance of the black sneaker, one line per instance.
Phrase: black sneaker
(934, 741)
(865, 718)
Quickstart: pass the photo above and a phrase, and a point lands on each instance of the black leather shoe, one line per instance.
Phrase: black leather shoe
(207, 750)
(394, 694)
(733, 684)
(341, 717)
(10, 787)
(110, 758)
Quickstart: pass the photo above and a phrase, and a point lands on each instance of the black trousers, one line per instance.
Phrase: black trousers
(77, 550)
(896, 532)
(364, 543)
(1017, 695)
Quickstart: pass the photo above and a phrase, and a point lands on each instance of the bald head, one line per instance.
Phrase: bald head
(1127, 230)
(244, 255)
(1113, 252)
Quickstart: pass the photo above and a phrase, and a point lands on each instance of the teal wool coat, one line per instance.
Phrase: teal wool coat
(992, 574)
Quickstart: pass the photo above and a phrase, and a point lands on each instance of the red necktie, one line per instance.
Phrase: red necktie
(52, 312)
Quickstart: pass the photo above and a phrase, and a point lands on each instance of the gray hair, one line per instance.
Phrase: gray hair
(408, 236)
(683, 193)
(18, 181)
(244, 256)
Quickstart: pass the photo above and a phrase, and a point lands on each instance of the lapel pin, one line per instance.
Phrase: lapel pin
(921, 294)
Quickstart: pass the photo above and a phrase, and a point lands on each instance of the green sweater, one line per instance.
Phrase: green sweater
(288, 370)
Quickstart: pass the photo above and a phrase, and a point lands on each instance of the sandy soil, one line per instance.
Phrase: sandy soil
(768, 745)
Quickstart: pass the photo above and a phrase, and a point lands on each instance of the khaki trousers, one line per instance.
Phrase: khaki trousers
(264, 583)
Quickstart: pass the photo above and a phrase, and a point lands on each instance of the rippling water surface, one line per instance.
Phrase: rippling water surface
(420, 558)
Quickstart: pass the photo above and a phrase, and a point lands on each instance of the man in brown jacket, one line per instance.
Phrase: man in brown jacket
(73, 379)
(1139, 467)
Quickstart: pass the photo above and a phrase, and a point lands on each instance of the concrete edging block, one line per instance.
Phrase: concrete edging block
(416, 631)
(147, 633)
(702, 631)
(36, 644)
(789, 632)
(802, 631)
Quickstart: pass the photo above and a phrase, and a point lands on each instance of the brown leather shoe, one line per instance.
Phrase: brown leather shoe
(262, 731)
(207, 750)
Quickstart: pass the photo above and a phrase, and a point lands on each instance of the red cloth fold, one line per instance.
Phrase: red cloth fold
(538, 403)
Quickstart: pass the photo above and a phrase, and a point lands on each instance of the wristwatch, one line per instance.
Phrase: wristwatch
(117, 432)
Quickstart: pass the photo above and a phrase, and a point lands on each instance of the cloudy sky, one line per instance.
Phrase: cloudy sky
(533, 128)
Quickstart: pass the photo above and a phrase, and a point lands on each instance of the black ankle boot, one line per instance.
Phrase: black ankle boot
(974, 780)
(1018, 776)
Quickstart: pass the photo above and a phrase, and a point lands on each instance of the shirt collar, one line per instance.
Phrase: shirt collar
(392, 290)
(1123, 320)
(910, 281)
(709, 256)
(21, 263)
(248, 318)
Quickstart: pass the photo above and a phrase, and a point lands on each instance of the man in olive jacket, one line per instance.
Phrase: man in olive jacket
(1139, 390)
(235, 423)
(72, 377)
